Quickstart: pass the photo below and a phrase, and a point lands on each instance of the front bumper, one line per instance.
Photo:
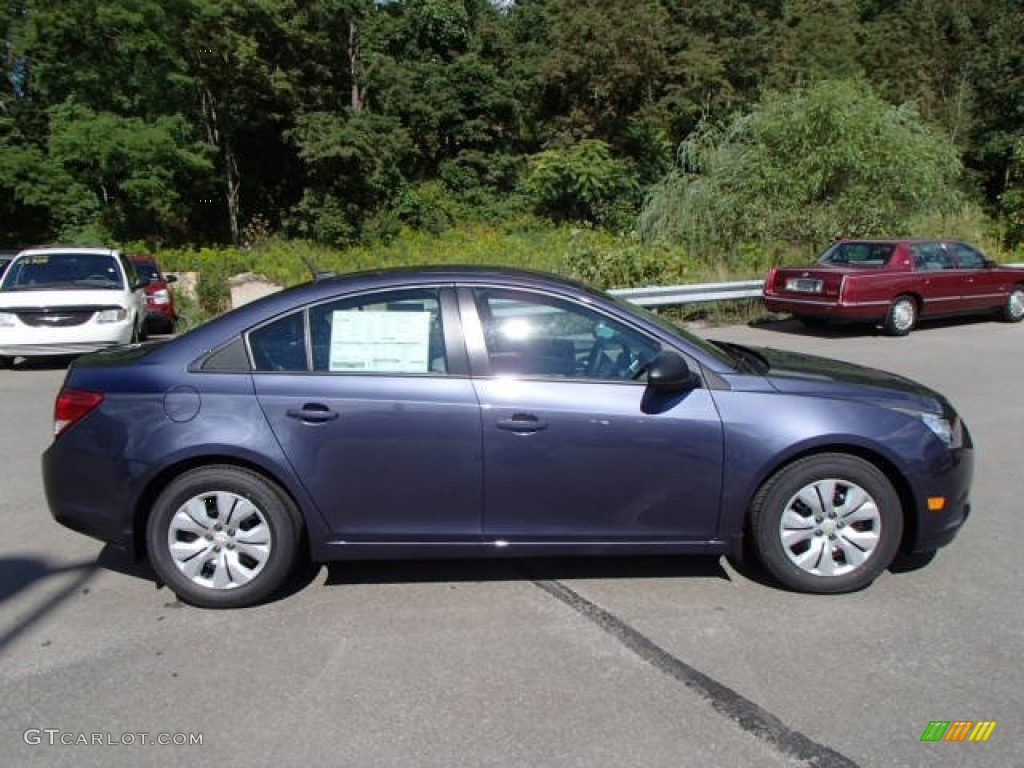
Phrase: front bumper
(929, 529)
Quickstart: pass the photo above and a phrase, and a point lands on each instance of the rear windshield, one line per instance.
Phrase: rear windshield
(858, 254)
(56, 271)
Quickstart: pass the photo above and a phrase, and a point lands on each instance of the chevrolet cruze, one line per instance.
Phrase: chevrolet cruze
(461, 412)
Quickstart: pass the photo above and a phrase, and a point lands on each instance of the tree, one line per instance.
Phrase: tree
(582, 183)
(802, 167)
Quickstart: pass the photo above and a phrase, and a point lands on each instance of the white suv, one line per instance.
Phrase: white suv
(66, 300)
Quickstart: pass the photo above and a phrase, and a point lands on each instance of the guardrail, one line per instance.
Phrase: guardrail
(657, 296)
(671, 295)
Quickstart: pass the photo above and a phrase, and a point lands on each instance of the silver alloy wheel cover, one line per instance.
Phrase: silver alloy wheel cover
(903, 312)
(1016, 303)
(220, 551)
(830, 527)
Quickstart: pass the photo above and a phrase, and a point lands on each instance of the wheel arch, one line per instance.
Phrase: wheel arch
(156, 485)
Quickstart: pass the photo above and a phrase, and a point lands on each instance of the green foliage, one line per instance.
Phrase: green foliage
(803, 167)
(348, 121)
(582, 183)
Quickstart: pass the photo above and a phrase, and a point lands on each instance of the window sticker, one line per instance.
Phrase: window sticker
(368, 342)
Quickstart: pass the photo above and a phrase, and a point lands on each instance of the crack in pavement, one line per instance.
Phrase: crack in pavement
(751, 717)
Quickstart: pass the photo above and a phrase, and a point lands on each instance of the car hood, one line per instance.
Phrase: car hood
(797, 373)
(86, 297)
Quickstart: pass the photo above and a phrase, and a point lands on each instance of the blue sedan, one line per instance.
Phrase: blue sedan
(463, 412)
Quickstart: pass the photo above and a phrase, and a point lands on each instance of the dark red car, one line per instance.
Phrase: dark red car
(161, 316)
(896, 282)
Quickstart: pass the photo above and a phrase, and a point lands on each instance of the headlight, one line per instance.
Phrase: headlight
(160, 297)
(951, 433)
(112, 315)
(7, 320)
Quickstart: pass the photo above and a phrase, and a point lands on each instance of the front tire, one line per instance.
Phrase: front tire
(223, 537)
(827, 524)
(901, 317)
(1013, 310)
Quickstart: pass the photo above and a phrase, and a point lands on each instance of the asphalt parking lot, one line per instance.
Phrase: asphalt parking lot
(631, 662)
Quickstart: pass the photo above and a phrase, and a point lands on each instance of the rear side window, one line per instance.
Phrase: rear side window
(394, 332)
(280, 345)
(929, 256)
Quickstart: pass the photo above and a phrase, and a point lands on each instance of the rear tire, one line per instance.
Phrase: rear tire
(827, 524)
(1013, 310)
(901, 317)
(223, 537)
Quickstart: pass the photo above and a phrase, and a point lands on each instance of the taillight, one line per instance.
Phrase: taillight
(770, 282)
(72, 404)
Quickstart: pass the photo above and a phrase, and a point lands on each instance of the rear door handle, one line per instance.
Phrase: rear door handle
(315, 412)
(523, 423)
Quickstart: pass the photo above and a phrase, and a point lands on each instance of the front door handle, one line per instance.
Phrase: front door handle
(523, 423)
(315, 412)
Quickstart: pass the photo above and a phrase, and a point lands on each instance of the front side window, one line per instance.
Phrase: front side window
(530, 335)
(968, 257)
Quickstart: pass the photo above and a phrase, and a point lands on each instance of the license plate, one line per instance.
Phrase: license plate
(803, 285)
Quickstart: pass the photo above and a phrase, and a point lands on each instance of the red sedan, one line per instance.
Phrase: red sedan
(896, 282)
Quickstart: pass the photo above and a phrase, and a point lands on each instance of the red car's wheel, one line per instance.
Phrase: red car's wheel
(902, 316)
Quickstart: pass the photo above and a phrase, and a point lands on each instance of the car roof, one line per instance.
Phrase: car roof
(101, 249)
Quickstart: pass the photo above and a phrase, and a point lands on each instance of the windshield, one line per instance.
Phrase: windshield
(61, 271)
(858, 254)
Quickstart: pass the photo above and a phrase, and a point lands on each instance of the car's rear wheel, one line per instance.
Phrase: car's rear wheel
(826, 524)
(1013, 310)
(223, 537)
(901, 317)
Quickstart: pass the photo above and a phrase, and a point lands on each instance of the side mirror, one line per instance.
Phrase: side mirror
(989, 264)
(668, 372)
(170, 278)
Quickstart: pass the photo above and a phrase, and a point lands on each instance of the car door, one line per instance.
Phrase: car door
(370, 400)
(983, 287)
(940, 284)
(575, 446)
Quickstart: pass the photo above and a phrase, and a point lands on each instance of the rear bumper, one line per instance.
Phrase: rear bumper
(77, 501)
(826, 309)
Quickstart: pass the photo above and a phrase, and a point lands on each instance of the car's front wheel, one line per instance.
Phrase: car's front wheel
(826, 524)
(223, 537)
(901, 317)
(1013, 310)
